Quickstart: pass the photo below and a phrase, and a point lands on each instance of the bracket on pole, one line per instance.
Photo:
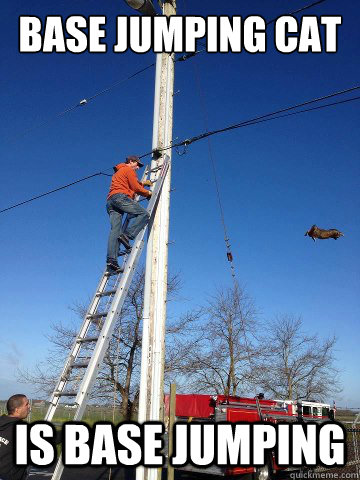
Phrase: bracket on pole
(156, 154)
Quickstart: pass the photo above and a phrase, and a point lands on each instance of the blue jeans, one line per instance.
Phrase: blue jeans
(116, 206)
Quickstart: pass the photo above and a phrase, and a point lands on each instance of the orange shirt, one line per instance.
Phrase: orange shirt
(125, 181)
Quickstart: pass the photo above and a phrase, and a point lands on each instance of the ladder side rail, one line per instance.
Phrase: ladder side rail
(102, 344)
(101, 287)
(106, 333)
(117, 303)
(109, 324)
(61, 383)
(158, 185)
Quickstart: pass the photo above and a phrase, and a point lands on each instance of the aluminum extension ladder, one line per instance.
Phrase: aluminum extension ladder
(89, 348)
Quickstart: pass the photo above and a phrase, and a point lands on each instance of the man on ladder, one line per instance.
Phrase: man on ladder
(124, 186)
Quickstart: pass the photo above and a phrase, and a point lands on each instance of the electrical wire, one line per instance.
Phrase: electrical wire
(181, 58)
(85, 101)
(259, 119)
(53, 191)
(44, 122)
(119, 82)
(297, 11)
(269, 22)
(301, 111)
(238, 125)
(253, 121)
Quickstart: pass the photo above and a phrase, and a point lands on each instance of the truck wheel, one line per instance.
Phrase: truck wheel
(263, 473)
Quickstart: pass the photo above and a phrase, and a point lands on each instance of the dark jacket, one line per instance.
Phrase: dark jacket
(8, 469)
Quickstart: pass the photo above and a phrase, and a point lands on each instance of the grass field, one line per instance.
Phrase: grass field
(93, 413)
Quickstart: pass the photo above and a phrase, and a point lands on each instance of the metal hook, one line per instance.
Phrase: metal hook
(181, 153)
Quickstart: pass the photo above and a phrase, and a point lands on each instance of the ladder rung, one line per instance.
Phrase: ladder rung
(96, 316)
(80, 365)
(65, 377)
(65, 394)
(107, 287)
(87, 339)
(106, 294)
(113, 272)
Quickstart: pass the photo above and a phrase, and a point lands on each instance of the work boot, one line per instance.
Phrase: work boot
(113, 267)
(124, 239)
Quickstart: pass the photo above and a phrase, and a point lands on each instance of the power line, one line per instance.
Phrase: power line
(85, 101)
(297, 11)
(259, 118)
(301, 111)
(53, 191)
(181, 58)
(253, 121)
(269, 22)
(119, 82)
(308, 102)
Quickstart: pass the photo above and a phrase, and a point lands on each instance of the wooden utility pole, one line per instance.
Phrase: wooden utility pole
(151, 400)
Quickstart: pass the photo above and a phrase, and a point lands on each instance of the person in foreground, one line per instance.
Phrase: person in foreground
(18, 408)
(124, 186)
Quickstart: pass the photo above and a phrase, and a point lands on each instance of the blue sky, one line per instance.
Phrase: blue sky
(276, 179)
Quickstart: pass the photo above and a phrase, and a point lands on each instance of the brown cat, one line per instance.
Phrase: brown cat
(316, 232)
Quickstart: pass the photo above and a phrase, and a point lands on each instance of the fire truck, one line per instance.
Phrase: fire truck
(221, 408)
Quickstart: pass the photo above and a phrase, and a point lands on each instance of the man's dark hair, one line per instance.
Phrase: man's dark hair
(14, 402)
(132, 158)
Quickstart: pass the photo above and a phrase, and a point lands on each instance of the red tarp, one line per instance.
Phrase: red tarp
(197, 406)
(202, 406)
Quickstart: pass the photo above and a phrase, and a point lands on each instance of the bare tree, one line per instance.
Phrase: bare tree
(218, 356)
(118, 377)
(179, 342)
(295, 365)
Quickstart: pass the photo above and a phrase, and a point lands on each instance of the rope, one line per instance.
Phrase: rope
(216, 181)
(222, 216)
